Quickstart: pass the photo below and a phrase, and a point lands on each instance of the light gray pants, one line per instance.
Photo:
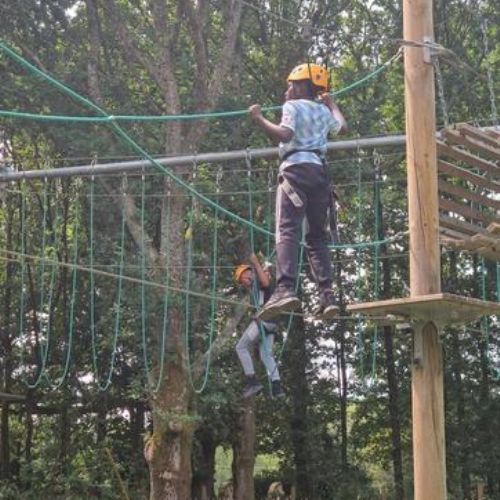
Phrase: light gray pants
(247, 342)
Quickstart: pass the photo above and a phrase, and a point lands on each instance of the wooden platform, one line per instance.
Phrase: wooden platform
(469, 190)
(442, 308)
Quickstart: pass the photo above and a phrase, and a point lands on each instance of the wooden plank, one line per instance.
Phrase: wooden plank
(443, 308)
(489, 241)
(446, 187)
(12, 398)
(456, 244)
(478, 135)
(472, 160)
(488, 253)
(450, 233)
(465, 210)
(448, 168)
(485, 150)
(460, 225)
(493, 132)
(493, 228)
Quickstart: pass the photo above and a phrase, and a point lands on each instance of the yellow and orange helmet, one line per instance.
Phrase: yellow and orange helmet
(239, 270)
(308, 71)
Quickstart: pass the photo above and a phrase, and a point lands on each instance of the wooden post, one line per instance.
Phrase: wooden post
(425, 267)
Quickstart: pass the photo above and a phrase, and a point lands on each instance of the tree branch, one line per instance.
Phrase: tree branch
(222, 339)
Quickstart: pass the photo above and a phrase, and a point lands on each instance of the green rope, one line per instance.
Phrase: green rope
(125, 137)
(181, 117)
(43, 344)
(155, 386)
(359, 265)
(56, 384)
(103, 387)
(213, 287)
(213, 306)
(166, 303)
(376, 260)
(46, 348)
(140, 151)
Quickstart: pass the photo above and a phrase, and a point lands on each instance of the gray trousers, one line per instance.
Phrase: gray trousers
(311, 184)
(246, 344)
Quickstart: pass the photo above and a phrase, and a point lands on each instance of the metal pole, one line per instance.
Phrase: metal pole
(137, 165)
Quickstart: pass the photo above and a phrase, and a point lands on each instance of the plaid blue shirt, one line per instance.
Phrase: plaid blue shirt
(310, 122)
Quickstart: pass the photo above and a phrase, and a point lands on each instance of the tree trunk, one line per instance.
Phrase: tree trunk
(392, 381)
(203, 480)
(6, 349)
(341, 359)
(244, 452)
(299, 395)
(392, 384)
(136, 431)
(4, 443)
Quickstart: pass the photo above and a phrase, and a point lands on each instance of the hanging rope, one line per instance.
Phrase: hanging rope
(213, 288)
(107, 382)
(57, 383)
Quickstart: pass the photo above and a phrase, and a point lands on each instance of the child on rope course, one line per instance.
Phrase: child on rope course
(256, 279)
(309, 114)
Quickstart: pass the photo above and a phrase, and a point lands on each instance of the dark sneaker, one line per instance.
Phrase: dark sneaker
(328, 308)
(282, 301)
(277, 390)
(252, 387)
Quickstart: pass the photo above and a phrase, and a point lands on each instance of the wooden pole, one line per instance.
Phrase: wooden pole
(425, 267)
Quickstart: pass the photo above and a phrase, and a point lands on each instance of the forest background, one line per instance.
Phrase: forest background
(344, 430)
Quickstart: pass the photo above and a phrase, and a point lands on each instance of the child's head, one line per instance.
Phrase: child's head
(243, 275)
(307, 81)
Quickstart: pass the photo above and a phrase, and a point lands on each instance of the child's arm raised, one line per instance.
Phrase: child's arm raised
(276, 132)
(261, 275)
(336, 113)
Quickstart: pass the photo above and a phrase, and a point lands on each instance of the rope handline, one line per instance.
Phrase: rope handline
(124, 136)
(179, 117)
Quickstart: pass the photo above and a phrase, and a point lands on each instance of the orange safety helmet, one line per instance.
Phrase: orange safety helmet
(239, 270)
(314, 72)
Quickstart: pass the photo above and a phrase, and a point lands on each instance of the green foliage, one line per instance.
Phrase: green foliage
(57, 458)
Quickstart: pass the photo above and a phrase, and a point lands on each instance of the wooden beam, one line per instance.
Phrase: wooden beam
(448, 168)
(477, 134)
(472, 160)
(450, 234)
(489, 241)
(12, 398)
(460, 225)
(466, 211)
(484, 149)
(446, 187)
(489, 254)
(493, 228)
(493, 132)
